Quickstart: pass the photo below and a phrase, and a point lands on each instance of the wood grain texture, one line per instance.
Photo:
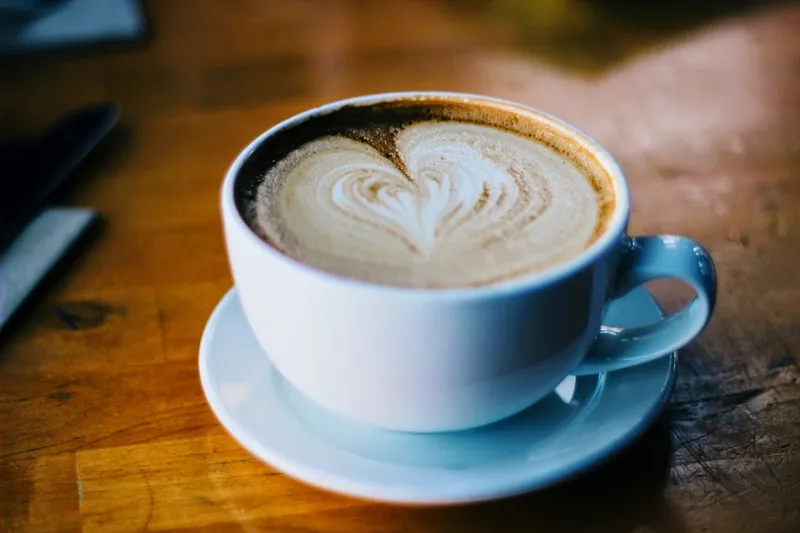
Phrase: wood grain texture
(103, 425)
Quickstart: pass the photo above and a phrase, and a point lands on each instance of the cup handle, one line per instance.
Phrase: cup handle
(646, 259)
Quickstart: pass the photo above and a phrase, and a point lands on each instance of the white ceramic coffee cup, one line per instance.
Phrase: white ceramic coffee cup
(449, 359)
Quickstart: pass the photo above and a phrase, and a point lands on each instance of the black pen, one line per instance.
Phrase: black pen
(31, 170)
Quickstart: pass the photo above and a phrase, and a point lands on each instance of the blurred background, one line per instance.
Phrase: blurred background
(580, 59)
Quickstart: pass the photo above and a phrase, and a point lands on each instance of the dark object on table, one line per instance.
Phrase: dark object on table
(34, 168)
(26, 10)
(33, 239)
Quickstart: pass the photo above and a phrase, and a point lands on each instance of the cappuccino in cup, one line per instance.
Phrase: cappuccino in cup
(438, 261)
(427, 193)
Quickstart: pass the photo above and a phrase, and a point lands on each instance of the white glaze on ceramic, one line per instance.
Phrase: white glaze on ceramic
(583, 421)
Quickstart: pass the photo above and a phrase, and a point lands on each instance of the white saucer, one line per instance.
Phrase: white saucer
(586, 420)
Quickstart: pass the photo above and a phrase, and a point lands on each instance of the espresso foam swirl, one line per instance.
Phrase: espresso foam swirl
(473, 205)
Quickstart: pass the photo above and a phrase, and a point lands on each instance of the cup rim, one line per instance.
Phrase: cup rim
(610, 236)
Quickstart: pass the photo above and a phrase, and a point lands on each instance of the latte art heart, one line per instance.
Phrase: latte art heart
(463, 204)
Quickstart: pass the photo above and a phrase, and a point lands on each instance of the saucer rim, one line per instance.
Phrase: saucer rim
(348, 487)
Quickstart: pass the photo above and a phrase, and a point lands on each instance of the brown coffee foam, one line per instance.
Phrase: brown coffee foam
(378, 126)
(528, 124)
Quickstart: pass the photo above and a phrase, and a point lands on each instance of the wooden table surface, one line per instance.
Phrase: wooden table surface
(103, 424)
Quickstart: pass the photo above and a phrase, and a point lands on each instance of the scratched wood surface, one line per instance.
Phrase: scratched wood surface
(103, 425)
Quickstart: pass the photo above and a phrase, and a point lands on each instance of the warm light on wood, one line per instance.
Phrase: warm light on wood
(105, 427)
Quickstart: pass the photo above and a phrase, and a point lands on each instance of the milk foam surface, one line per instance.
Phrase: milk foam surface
(461, 205)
